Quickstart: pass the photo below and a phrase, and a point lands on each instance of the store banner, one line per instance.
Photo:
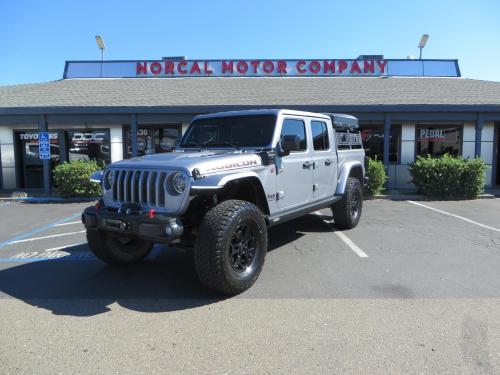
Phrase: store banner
(261, 68)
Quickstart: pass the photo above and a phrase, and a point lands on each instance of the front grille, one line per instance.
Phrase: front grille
(143, 187)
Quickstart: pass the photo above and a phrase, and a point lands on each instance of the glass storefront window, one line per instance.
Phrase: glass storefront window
(373, 142)
(88, 145)
(438, 140)
(153, 140)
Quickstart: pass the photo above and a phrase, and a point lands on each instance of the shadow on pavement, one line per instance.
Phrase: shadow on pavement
(86, 287)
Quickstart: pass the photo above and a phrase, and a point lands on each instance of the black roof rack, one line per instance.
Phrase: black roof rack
(343, 121)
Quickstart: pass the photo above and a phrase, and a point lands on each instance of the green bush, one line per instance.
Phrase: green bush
(448, 177)
(73, 179)
(376, 177)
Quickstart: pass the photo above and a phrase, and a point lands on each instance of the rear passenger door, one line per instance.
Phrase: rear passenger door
(324, 159)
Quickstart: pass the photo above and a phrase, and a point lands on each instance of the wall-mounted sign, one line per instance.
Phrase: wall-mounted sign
(261, 68)
(432, 135)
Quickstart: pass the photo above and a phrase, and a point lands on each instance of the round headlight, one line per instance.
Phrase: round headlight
(179, 182)
(110, 175)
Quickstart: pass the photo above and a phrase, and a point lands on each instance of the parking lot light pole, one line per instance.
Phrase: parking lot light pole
(102, 47)
(423, 42)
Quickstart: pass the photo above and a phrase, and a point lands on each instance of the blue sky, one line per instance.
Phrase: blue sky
(36, 37)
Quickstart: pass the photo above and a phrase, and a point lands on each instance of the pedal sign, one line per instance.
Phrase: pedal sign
(44, 146)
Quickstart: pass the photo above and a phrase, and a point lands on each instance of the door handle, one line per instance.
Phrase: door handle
(328, 162)
(307, 164)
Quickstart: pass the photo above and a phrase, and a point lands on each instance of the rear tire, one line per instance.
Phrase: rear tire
(231, 247)
(347, 211)
(117, 250)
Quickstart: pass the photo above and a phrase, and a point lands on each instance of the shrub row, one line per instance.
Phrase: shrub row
(73, 179)
(448, 177)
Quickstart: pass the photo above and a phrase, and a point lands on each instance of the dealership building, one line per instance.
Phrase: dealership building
(111, 110)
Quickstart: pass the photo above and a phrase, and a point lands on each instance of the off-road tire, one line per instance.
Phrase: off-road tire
(344, 215)
(212, 252)
(108, 247)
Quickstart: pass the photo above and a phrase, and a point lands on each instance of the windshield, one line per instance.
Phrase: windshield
(230, 131)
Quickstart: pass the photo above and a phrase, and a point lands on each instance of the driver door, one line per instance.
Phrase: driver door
(295, 171)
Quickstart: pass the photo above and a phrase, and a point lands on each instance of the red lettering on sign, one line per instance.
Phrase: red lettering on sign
(369, 67)
(242, 67)
(268, 66)
(206, 68)
(255, 64)
(195, 68)
(314, 67)
(381, 64)
(282, 67)
(155, 67)
(355, 67)
(300, 66)
(329, 66)
(342, 66)
(227, 66)
(181, 65)
(142, 68)
(169, 67)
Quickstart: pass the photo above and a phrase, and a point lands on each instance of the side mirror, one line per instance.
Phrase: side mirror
(97, 177)
(280, 151)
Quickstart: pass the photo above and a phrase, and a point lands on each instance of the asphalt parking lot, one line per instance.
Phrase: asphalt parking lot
(415, 288)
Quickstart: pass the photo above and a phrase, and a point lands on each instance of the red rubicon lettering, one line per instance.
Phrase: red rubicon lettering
(142, 68)
(206, 68)
(195, 68)
(381, 64)
(282, 67)
(369, 67)
(255, 64)
(227, 66)
(300, 66)
(268, 66)
(242, 67)
(342, 66)
(169, 67)
(355, 67)
(181, 67)
(329, 66)
(314, 67)
(155, 67)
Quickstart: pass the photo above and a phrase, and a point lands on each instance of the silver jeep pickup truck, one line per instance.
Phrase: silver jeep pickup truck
(233, 175)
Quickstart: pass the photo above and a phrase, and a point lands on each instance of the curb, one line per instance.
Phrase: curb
(48, 199)
(417, 197)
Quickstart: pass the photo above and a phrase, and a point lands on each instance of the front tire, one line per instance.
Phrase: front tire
(347, 211)
(117, 250)
(231, 247)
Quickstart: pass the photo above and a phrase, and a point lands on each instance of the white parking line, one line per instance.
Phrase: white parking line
(455, 216)
(41, 238)
(346, 240)
(70, 223)
(351, 245)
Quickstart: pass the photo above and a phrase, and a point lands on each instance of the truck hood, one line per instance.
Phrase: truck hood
(206, 162)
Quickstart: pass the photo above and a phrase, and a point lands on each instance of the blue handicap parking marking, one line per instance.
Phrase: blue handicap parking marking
(69, 253)
(37, 230)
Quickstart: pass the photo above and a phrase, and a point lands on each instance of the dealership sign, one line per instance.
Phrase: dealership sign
(260, 68)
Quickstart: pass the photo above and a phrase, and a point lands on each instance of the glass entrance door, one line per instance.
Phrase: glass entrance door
(497, 151)
(31, 167)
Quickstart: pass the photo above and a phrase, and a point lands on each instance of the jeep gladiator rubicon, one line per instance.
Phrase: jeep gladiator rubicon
(233, 175)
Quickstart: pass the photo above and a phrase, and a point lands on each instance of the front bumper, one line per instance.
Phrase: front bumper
(158, 229)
